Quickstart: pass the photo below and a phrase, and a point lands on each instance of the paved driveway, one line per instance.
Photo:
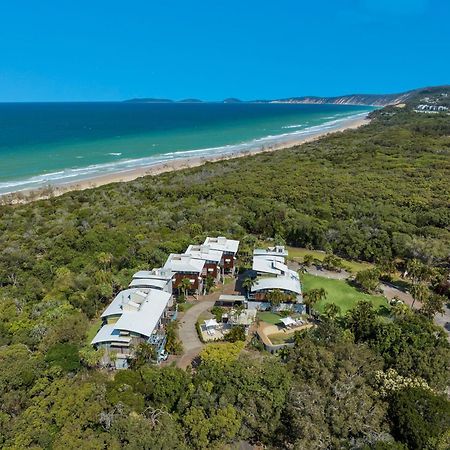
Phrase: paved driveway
(188, 333)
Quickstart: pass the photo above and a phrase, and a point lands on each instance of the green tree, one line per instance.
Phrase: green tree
(361, 320)
(331, 311)
(368, 279)
(432, 305)
(308, 259)
(275, 297)
(420, 293)
(419, 418)
(237, 333)
(247, 284)
(197, 427)
(65, 356)
(312, 297)
(143, 354)
(185, 285)
(209, 283)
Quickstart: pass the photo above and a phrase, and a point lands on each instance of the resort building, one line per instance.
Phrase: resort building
(229, 247)
(211, 257)
(134, 316)
(160, 279)
(288, 283)
(184, 266)
(272, 274)
(278, 250)
(271, 265)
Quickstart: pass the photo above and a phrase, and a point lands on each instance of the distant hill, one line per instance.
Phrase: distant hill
(190, 100)
(149, 100)
(350, 99)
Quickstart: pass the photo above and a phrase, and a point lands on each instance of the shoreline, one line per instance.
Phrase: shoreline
(55, 190)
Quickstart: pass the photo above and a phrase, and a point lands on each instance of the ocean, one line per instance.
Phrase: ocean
(58, 143)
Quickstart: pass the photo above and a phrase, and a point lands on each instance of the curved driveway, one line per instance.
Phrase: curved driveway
(188, 333)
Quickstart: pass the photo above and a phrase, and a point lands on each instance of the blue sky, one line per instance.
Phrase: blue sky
(112, 50)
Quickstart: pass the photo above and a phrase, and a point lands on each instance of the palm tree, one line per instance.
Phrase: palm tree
(308, 259)
(399, 310)
(185, 285)
(419, 292)
(414, 270)
(331, 311)
(313, 296)
(247, 284)
(275, 297)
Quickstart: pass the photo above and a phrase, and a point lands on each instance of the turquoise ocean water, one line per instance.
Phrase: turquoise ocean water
(57, 143)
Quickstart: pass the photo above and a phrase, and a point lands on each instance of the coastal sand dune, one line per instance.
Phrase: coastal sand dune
(156, 169)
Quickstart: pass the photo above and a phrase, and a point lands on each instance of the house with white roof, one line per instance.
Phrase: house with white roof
(272, 274)
(211, 257)
(288, 283)
(278, 250)
(272, 265)
(229, 247)
(156, 278)
(185, 266)
(134, 316)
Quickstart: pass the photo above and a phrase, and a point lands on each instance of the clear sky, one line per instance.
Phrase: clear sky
(112, 50)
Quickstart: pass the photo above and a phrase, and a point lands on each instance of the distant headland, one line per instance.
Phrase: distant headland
(348, 99)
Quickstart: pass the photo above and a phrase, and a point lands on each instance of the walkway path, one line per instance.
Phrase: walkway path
(187, 331)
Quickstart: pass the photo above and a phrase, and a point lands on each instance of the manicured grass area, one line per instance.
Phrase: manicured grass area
(297, 254)
(269, 317)
(281, 338)
(93, 329)
(341, 293)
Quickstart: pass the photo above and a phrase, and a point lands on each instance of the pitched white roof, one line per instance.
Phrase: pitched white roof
(149, 283)
(184, 263)
(289, 282)
(108, 333)
(123, 297)
(157, 274)
(222, 243)
(145, 319)
(278, 250)
(272, 265)
(204, 252)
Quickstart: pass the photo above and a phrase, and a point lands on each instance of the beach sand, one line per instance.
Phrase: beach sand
(156, 169)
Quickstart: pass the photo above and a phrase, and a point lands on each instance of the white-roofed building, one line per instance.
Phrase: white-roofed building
(278, 250)
(269, 265)
(272, 274)
(157, 279)
(184, 266)
(229, 247)
(288, 283)
(134, 316)
(211, 257)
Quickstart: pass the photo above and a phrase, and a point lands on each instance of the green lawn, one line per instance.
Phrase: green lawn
(341, 293)
(93, 329)
(297, 254)
(269, 317)
(281, 338)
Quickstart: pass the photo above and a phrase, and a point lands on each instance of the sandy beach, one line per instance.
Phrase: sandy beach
(26, 196)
